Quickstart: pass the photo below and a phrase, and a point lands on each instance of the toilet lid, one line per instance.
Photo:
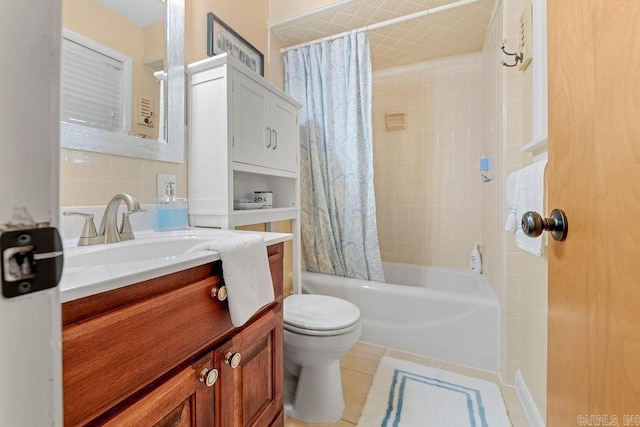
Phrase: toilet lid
(319, 312)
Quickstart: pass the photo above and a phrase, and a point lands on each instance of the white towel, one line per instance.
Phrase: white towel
(527, 185)
(511, 224)
(245, 268)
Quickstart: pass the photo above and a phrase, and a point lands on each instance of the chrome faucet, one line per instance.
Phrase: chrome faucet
(108, 231)
(109, 224)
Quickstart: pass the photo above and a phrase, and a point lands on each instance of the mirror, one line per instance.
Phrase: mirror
(160, 142)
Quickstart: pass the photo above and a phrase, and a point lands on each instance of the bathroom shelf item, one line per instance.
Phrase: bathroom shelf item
(243, 137)
(163, 351)
(538, 148)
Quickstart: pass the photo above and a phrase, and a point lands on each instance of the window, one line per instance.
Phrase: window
(95, 85)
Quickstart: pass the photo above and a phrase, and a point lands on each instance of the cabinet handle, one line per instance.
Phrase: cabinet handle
(232, 359)
(268, 137)
(275, 138)
(220, 293)
(208, 376)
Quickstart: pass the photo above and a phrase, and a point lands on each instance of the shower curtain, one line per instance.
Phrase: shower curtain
(333, 82)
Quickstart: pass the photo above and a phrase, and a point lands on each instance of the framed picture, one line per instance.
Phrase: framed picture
(221, 38)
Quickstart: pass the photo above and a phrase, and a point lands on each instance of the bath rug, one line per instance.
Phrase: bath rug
(406, 394)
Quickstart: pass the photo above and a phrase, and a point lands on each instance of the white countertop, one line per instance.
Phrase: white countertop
(82, 281)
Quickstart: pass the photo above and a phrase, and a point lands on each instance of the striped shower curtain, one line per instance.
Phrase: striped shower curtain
(333, 82)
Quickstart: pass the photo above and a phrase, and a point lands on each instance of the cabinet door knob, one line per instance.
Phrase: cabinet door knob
(275, 139)
(268, 137)
(220, 293)
(232, 359)
(208, 376)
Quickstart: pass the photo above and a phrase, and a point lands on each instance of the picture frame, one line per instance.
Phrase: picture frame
(221, 38)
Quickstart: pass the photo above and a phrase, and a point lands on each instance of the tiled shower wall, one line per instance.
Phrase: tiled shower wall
(427, 176)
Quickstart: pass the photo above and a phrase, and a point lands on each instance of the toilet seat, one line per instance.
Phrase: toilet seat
(320, 315)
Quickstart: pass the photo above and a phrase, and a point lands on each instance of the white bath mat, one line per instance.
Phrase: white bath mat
(406, 394)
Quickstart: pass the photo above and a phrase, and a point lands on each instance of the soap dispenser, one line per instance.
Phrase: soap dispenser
(171, 211)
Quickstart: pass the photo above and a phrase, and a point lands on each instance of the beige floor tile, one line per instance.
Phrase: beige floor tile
(363, 357)
(519, 421)
(415, 358)
(512, 401)
(360, 364)
(290, 422)
(471, 372)
(355, 387)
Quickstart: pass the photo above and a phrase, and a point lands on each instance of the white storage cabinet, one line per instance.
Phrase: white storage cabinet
(243, 136)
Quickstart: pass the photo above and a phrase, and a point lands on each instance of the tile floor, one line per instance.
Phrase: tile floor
(360, 364)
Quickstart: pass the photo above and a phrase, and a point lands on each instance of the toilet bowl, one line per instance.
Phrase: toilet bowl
(318, 330)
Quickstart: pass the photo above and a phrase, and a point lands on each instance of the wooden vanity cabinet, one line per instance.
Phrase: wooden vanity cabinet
(140, 355)
(182, 400)
(255, 387)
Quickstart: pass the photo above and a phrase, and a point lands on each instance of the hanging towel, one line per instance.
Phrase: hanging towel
(527, 185)
(245, 268)
(511, 223)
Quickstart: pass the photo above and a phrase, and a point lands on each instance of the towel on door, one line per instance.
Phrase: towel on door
(525, 192)
(245, 268)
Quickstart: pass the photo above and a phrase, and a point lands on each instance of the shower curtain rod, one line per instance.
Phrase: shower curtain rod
(383, 23)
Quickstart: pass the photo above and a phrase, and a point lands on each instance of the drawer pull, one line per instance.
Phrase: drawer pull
(220, 293)
(232, 359)
(208, 376)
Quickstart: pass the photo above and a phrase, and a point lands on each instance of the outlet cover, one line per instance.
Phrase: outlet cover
(163, 180)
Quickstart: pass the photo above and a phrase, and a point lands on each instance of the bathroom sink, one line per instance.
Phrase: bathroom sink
(89, 270)
(130, 251)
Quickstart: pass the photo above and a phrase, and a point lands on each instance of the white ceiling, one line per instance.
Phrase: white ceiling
(451, 32)
(140, 12)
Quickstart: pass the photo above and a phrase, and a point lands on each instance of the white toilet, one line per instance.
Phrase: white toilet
(318, 330)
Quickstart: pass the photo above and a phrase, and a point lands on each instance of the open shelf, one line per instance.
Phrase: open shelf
(253, 216)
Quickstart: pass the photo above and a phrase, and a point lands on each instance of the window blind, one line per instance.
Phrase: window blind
(92, 88)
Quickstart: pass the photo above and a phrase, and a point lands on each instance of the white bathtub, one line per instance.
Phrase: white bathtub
(441, 313)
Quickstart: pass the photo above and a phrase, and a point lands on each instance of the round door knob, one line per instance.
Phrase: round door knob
(232, 359)
(533, 224)
(208, 376)
(220, 293)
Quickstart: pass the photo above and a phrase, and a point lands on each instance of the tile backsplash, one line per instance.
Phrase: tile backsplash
(88, 178)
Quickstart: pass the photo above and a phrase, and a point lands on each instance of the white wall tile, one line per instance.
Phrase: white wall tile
(432, 172)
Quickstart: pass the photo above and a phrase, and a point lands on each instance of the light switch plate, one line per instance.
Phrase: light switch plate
(163, 180)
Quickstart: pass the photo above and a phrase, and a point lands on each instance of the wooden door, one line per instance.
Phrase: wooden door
(594, 175)
(183, 400)
(252, 393)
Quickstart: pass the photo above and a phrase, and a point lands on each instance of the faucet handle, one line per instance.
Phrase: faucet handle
(126, 232)
(88, 229)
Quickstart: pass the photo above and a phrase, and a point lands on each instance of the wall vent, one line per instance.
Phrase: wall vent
(145, 111)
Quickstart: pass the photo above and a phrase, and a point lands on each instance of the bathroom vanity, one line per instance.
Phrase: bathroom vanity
(164, 352)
